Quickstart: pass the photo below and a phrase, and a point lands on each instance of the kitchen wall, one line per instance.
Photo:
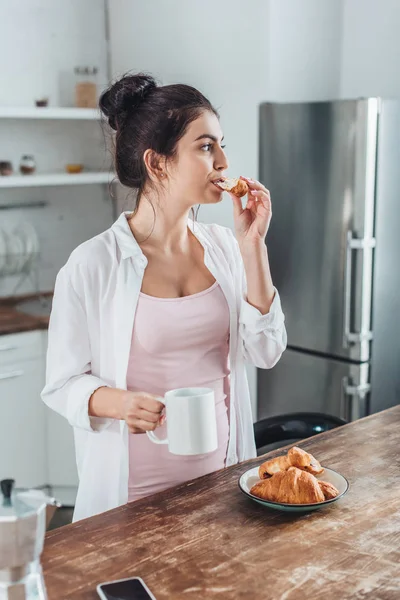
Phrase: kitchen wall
(218, 47)
(304, 53)
(239, 55)
(40, 43)
(333, 49)
(221, 48)
(370, 49)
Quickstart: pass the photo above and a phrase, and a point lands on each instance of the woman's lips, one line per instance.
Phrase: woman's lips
(217, 181)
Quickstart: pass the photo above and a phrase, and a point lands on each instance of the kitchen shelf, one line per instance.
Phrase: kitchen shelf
(55, 179)
(55, 113)
(29, 204)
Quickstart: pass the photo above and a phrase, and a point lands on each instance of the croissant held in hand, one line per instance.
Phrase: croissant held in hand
(296, 457)
(238, 187)
(294, 487)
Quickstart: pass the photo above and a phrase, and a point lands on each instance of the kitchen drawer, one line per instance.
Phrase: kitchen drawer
(20, 346)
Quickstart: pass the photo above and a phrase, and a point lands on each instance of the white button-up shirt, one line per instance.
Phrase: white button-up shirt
(90, 330)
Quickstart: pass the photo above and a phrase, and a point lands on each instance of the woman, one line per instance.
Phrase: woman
(159, 302)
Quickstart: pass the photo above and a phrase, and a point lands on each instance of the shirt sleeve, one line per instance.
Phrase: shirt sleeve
(263, 337)
(69, 380)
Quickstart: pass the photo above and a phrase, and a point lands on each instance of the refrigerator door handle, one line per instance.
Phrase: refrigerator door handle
(348, 410)
(353, 243)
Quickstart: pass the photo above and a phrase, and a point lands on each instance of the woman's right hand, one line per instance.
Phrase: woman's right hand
(142, 411)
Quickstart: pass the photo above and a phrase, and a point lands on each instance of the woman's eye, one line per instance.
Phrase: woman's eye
(207, 147)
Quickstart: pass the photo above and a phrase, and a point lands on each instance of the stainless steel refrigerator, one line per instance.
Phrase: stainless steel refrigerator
(333, 169)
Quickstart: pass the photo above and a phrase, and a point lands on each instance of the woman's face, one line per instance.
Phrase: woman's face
(199, 161)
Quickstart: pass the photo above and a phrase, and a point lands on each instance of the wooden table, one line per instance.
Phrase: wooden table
(206, 540)
(15, 321)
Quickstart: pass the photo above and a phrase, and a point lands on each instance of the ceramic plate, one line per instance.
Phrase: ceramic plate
(28, 234)
(250, 478)
(10, 257)
(3, 252)
(18, 252)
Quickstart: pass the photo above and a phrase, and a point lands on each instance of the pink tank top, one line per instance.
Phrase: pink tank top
(178, 342)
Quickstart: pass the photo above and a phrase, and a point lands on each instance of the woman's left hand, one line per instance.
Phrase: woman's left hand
(252, 222)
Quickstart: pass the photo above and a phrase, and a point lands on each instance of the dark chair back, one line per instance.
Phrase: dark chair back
(293, 426)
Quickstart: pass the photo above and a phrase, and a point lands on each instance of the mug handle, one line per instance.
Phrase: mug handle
(152, 436)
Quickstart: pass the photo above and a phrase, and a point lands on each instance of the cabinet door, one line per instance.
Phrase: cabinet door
(20, 346)
(61, 451)
(22, 423)
(61, 464)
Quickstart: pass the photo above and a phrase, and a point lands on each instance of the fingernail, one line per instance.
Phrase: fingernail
(247, 179)
(254, 192)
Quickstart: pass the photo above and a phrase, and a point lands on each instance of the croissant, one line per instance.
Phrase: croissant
(238, 187)
(293, 486)
(328, 490)
(296, 457)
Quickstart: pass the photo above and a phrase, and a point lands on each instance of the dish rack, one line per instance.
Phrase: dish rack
(20, 254)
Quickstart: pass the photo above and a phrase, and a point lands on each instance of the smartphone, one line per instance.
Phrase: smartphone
(133, 588)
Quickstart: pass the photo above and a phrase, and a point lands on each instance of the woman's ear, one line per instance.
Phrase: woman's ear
(155, 165)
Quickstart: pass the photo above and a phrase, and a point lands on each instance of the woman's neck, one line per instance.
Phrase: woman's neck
(159, 228)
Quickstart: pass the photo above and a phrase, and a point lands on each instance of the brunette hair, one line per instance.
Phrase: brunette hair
(148, 116)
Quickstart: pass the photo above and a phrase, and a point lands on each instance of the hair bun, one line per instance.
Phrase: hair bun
(125, 95)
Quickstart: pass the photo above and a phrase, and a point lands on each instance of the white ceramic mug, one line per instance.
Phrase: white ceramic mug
(191, 421)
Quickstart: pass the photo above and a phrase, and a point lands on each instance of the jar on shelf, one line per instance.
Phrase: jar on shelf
(42, 102)
(27, 165)
(6, 167)
(86, 87)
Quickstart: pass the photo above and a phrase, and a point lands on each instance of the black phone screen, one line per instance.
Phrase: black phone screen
(131, 589)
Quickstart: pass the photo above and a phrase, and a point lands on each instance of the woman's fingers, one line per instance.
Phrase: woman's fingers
(258, 192)
(143, 426)
(237, 205)
(133, 429)
(255, 185)
(262, 196)
(148, 416)
(150, 403)
(251, 205)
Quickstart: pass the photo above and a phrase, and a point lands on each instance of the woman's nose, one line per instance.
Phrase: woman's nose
(221, 161)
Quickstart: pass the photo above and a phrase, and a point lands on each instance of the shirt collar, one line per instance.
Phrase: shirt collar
(124, 236)
(128, 244)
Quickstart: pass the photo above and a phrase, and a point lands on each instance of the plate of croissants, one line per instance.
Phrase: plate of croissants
(294, 482)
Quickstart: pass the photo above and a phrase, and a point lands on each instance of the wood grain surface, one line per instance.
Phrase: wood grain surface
(15, 321)
(206, 540)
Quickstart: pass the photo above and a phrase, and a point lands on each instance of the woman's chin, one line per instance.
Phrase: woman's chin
(213, 196)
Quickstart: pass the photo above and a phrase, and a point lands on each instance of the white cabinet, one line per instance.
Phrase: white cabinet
(36, 444)
(61, 464)
(61, 451)
(20, 346)
(22, 413)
